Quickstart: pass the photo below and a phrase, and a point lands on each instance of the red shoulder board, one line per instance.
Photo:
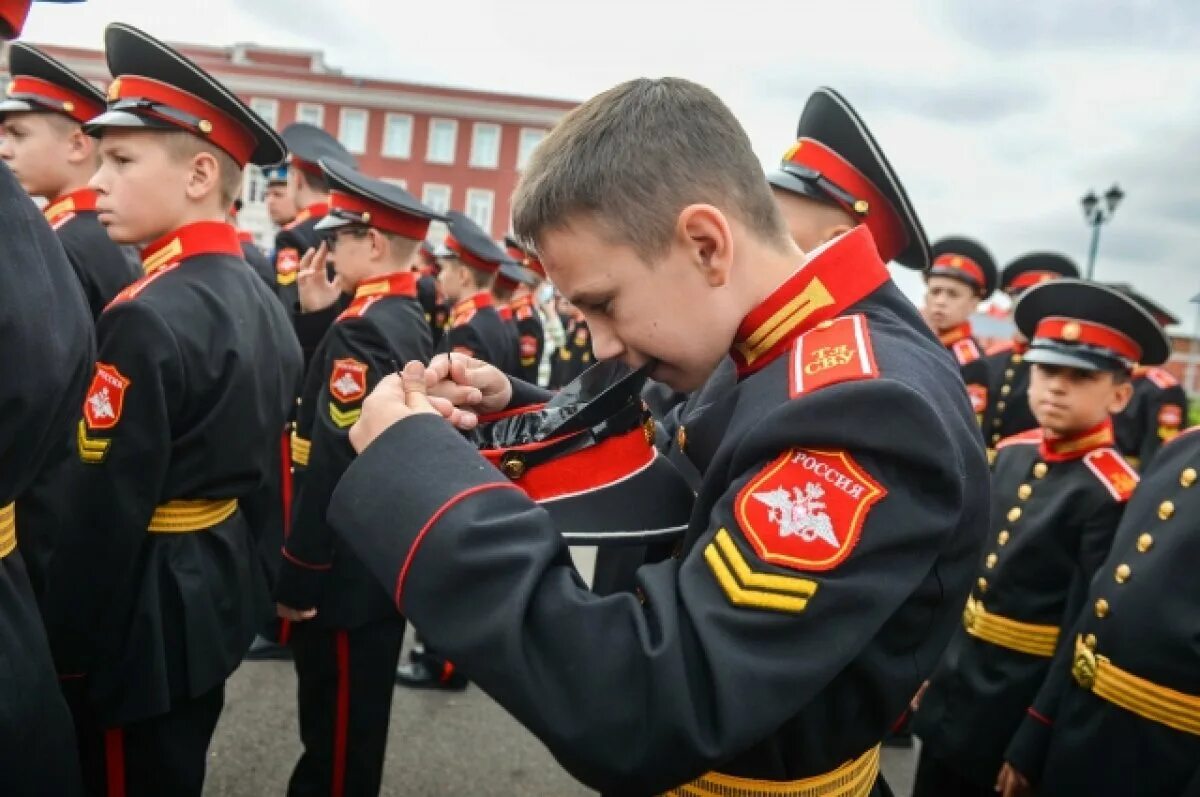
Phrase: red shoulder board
(1113, 472)
(524, 313)
(1162, 377)
(287, 263)
(966, 351)
(806, 509)
(1000, 348)
(358, 308)
(1031, 437)
(837, 350)
(978, 395)
(105, 397)
(529, 347)
(348, 382)
(463, 319)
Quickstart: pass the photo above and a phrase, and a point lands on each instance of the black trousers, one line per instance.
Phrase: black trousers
(936, 778)
(166, 754)
(345, 680)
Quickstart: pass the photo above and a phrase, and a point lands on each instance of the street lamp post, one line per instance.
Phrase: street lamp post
(1097, 214)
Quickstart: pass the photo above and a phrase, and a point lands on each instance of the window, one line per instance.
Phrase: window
(437, 197)
(443, 137)
(479, 207)
(530, 138)
(267, 109)
(353, 130)
(310, 113)
(397, 135)
(254, 186)
(485, 145)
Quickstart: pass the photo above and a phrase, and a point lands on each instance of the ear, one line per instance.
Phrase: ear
(835, 231)
(704, 232)
(204, 177)
(1121, 396)
(379, 244)
(81, 148)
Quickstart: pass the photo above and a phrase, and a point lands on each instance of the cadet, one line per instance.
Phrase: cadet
(830, 548)
(575, 355)
(46, 338)
(531, 336)
(250, 252)
(429, 294)
(1119, 714)
(346, 638)
(281, 209)
(158, 587)
(962, 275)
(468, 269)
(1158, 410)
(1008, 411)
(1058, 493)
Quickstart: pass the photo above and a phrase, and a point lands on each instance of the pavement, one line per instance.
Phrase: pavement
(440, 744)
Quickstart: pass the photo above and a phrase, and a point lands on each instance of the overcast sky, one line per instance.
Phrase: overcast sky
(998, 115)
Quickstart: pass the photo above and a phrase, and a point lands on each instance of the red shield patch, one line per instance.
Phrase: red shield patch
(1170, 415)
(105, 397)
(978, 396)
(286, 264)
(806, 509)
(348, 382)
(529, 346)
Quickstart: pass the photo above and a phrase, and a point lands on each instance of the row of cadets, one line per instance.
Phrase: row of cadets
(158, 582)
(346, 636)
(46, 340)
(429, 293)
(526, 315)
(1059, 491)
(250, 251)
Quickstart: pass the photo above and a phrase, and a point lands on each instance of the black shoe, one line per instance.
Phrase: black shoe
(416, 674)
(263, 649)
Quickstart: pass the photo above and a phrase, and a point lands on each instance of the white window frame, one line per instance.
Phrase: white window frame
(523, 154)
(311, 106)
(476, 162)
(429, 154)
(366, 117)
(257, 104)
(439, 186)
(387, 122)
(473, 193)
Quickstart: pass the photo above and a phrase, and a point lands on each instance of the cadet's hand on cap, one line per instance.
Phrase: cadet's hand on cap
(316, 290)
(294, 615)
(396, 397)
(468, 383)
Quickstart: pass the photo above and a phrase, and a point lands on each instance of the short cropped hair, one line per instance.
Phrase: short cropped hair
(183, 144)
(633, 157)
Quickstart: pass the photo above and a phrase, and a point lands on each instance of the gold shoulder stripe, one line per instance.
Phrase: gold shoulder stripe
(342, 419)
(744, 586)
(815, 296)
(91, 451)
(163, 256)
(8, 529)
(300, 450)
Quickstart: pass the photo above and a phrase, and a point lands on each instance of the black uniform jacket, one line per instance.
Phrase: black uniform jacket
(1140, 617)
(477, 330)
(1156, 413)
(825, 567)
(157, 586)
(383, 327)
(257, 260)
(531, 339)
(296, 238)
(102, 267)
(967, 352)
(575, 355)
(1055, 507)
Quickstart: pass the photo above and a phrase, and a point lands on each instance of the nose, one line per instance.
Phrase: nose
(6, 148)
(605, 344)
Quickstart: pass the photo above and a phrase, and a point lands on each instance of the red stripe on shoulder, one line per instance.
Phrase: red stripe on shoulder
(1162, 377)
(1026, 438)
(1113, 471)
(834, 351)
(1037, 715)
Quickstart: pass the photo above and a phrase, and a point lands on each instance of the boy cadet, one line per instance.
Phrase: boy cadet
(468, 269)
(531, 335)
(346, 637)
(1121, 705)
(575, 355)
(1058, 493)
(1008, 411)
(1158, 410)
(511, 290)
(250, 252)
(46, 337)
(962, 275)
(830, 548)
(158, 587)
(281, 208)
(46, 148)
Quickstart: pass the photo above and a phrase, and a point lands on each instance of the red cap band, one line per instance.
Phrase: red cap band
(213, 123)
(59, 98)
(1073, 330)
(466, 256)
(870, 204)
(961, 263)
(381, 216)
(1031, 278)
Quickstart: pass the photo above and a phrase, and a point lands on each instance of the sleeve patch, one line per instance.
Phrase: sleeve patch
(979, 396)
(1113, 472)
(806, 509)
(746, 587)
(92, 451)
(529, 347)
(287, 262)
(105, 397)
(344, 418)
(837, 350)
(966, 351)
(348, 382)
(1170, 415)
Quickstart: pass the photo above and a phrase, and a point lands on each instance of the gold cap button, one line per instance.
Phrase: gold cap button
(1188, 477)
(681, 438)
(1123, 573)
(1090, 641)
(68, 106)
(1003, 538)
(513, 468)
(1102, 608)
(1014, 514)
(1024, 491)
(1145, 542)
(1040, 470)
(991, 560)
(1165, 510)
(982, 584)
(205, 126)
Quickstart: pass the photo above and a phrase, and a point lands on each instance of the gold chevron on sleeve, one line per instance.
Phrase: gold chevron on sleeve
(343, 418)
(300, 450)
(744, 586)
(92, 451)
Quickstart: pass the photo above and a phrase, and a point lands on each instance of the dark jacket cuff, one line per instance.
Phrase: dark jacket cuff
(300, 584)
(1027, 749)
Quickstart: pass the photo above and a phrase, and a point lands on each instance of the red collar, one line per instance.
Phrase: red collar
(317, 210)
(245, 236)
(1061, 449)
(839, 276)
(200, 238)
(399, 283)
(469, 306)
(952, 336)
(82, 200)
(505, 311)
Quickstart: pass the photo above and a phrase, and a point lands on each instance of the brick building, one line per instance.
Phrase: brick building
(454, 148)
